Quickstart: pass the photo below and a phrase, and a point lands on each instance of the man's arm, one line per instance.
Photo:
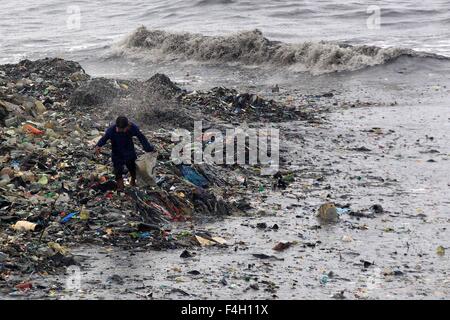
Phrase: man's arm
(148, 147)
(104, 139)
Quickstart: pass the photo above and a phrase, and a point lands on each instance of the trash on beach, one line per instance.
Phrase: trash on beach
(261, 225)
(347, 238)
(84, 214)
(30, 129)
(24, 286)
(324, 279)
(26, 226)
(377, 208)
(68, 217)
(204, 242)
(266, 257)
(57, 248)
(193, 176)
(146, 169)
(219, 240)
(281, 246)
(43, 180)
(341, 211)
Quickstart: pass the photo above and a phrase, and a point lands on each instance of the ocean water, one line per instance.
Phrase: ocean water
(135, 38)
(49, 27)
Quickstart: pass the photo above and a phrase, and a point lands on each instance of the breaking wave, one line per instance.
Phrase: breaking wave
(252, 48)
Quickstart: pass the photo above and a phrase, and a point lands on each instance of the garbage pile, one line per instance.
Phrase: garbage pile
(228, 104)
(97, 91)
(101, 91)
(30, 88)
(159, 101)
(54, 192)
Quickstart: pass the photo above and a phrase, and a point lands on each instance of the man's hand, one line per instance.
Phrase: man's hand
(97, 151)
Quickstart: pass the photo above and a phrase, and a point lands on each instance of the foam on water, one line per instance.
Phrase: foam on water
(252, 47)
(313, 32)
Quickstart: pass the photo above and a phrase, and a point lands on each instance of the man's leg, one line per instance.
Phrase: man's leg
(118, 171)
(131, 165)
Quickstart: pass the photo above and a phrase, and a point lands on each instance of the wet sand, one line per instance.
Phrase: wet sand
(402, 165)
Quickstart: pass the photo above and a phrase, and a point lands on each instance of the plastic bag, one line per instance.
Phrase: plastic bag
(145, 169)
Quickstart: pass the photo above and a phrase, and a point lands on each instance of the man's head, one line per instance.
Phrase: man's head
(122, 123)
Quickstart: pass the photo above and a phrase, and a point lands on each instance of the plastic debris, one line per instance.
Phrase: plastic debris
(26, 226)
(193, 176)
(204, 242)
(324, 279)
(57, 248)
(69, 217)
(347, 238)
(30, 129)
(84, 214)
(24, 286)
(341, 211)
(146, 169)
(43, 180)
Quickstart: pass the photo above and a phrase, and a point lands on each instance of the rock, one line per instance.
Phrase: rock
(377, 208)
(194, 272)
(224, 281)
(327, 213)
(254, 286)
(367, 264)
(339, 296)
(261, 225)
(60, 260)
(186, 254)
(281, 246)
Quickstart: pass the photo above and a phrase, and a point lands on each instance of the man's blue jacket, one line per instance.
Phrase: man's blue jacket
(122, 143)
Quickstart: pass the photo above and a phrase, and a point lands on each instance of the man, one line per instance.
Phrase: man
(123, 153)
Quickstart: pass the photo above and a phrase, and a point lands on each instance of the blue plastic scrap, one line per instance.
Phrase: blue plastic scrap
(342, 210)
(69, 216)
(193, 176)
